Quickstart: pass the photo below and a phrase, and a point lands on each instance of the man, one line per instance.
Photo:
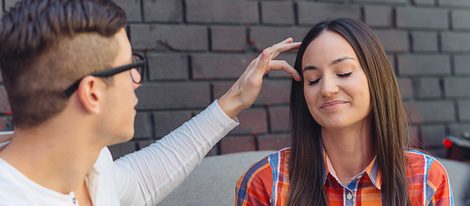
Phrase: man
(70, 76)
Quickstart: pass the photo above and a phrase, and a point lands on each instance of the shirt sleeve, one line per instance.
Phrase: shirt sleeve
(254, 188)
(438, 187)
(147, 176)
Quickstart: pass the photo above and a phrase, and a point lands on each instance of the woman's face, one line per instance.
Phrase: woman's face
(335, 85)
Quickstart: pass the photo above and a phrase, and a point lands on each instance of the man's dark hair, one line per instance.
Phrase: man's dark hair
(46, 45)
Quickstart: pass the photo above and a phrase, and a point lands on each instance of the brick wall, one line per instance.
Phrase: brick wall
(197, 49)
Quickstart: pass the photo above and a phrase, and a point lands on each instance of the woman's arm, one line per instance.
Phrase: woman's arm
(438, 187)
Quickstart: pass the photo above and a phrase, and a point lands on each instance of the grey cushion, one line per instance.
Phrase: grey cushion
(213, 182)
(459, 174)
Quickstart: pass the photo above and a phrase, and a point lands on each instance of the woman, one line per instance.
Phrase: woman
(349, 132)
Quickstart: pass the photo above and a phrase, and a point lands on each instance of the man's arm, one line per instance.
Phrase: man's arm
(147, 176)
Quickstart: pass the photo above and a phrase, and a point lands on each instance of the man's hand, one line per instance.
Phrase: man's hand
(246, 89)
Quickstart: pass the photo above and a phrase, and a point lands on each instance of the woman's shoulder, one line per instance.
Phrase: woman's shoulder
(269, 163)
(262, 171)
(428, 173)
(421, 163)
(257, 181)
(420, 158)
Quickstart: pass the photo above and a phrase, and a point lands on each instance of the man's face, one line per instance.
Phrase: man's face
(119, 108)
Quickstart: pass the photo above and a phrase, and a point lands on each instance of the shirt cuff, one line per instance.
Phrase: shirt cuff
(219, 115)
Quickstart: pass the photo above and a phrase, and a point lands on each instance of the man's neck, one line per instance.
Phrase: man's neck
(57, 158)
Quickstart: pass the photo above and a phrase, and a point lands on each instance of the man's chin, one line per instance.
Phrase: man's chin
(122, 139)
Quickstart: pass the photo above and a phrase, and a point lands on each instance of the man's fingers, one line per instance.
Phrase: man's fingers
(288, 40)
(275, 50)
(262, 64)
(284, 66)
(264, 59)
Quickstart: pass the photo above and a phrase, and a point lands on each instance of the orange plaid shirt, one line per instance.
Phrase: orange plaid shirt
(267, 183)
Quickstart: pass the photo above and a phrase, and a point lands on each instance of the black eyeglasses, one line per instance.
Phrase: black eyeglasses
(137, 67)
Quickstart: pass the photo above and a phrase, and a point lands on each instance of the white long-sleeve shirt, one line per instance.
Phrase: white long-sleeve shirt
(144, 177)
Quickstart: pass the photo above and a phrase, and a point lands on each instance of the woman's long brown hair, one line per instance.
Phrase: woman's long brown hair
(389, 126)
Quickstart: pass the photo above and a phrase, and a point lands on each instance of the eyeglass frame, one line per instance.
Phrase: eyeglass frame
(141, 62)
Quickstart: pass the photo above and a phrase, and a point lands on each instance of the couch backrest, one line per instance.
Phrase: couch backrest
(213, 182)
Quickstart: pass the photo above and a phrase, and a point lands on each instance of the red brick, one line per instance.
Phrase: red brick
(455, 41)
(220, 66)
(252, 121)
(143, 126)
(457, 87)
(432, 135)
(169, 37)
(273, 141)
(277, 13)
(393, 40)
(424, 64)
(381, 16)
(430, 111)
(272, 92)
(119, 150)
(228, 38)
(174, 95)
(461, 64)
(310, 13)
(144, 143)
(457, 129)
(163, 10)
(233, 144)
(424, 41)
(421, 18)
(132, 9)
(165, 122)
(290, 58)
(415, 139)
(455, 3)
(164, 66)
(217, 11)
(219, 88)
(406, 88)
(262, 37)
(279, 118)
(428, 87)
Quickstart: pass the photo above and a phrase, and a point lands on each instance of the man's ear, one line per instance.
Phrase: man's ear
(90, 93)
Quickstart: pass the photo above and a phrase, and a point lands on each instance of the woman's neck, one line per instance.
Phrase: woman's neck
(349, 149)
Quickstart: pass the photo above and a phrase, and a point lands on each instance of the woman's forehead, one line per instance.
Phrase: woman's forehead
(326, 48)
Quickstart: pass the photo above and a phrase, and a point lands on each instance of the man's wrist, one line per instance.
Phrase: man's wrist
(230, 105)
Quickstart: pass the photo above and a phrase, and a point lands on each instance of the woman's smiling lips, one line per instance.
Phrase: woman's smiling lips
(332, 104)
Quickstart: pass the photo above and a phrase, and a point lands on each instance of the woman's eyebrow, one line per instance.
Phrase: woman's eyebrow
(341, 59)
(336, 61)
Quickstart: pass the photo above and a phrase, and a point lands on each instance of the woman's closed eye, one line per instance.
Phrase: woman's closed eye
(313, 82)
(342, 75)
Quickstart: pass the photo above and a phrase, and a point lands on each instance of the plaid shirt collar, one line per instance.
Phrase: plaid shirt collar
(372, 171)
